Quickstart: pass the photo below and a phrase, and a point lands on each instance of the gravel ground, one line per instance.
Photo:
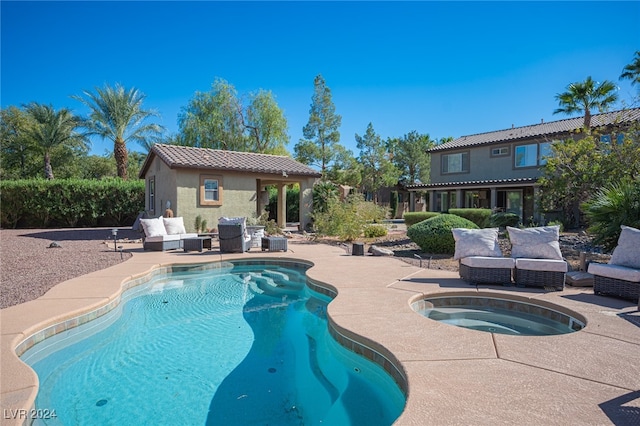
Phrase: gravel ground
(29, 267)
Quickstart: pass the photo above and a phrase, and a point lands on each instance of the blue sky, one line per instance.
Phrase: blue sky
(442, 68)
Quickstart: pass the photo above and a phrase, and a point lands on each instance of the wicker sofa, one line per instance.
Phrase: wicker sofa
(162, 233)
(539, 261)
(621, 276)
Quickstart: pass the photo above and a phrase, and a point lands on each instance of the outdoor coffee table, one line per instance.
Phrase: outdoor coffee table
(274, 243)
(196, 243)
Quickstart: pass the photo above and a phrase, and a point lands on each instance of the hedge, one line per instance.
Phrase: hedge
(434, 235)
(411, 218)
(478, 216)
(43, 203)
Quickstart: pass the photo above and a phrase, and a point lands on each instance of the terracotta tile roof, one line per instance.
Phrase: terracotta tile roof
(176, 156)
(540, 130)
(487, 182)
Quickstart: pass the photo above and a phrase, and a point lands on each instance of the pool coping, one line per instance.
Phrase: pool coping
(478, 375)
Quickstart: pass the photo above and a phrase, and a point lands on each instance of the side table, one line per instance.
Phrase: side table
(196, 243)
(274, 243)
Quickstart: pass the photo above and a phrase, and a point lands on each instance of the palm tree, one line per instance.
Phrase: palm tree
(632, 71)
(117, 115)
(585, 96)
(52, 129)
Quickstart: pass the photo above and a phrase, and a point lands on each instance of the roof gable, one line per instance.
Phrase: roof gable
(185, 157)
(540, 130)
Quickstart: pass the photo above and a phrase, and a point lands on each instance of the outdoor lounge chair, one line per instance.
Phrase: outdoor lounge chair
(480, 257)
(621, 276)
(539, 261)
(233, 235)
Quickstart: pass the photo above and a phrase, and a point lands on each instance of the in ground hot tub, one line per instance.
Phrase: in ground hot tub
(500, 314)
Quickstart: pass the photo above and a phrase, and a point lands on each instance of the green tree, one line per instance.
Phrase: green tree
(632, 70)
(377, 169)
(18, 155)
(117, 114)
(345, 168)
(52, 129)
(577, 169)
(214, 119)
(266, 124)
(409, 154)
(583, 97)
(321, 135)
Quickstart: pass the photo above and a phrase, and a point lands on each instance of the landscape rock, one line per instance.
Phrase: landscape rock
(380, 251)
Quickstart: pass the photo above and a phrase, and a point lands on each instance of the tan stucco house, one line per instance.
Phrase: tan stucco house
(215, 183)
(500, 169)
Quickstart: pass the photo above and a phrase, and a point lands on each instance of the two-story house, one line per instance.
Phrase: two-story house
(500, 169)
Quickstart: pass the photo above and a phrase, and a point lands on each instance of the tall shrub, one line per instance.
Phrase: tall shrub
(347, 219)
(434, 235)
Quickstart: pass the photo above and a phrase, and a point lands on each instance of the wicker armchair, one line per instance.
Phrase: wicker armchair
(621, 276)
(480, 258)
(233, 235)
(539, 262)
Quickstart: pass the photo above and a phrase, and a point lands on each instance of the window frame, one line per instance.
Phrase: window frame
(202, 190)
(515, 156)
(464, 161)
(506, 148)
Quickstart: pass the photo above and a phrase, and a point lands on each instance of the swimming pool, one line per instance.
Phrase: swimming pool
(241, 343)
(502, 315)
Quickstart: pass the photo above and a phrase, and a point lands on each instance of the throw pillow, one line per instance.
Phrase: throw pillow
(627, 252)
(174, 225)
(535, 243)
(476, 242)
(153, 227)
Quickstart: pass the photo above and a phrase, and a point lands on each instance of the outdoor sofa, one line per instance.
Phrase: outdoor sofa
(621, 276)
(164, 233)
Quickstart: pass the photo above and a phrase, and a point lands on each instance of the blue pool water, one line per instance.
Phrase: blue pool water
(240, 344)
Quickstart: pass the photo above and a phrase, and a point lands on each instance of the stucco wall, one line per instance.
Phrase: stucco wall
(165, 183)
(482, 166)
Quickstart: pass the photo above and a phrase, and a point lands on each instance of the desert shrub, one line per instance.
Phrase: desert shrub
(434, 235)
(478, 216)
(556, 222)
(502, 219)
(411, 218)
(324, 193)
(347, 219)
(618, 204)
(374, 231)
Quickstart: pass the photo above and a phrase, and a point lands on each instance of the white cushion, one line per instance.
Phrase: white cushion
(185, 236)
(488, 262)
(616, 272)
(232, 221)
(174, 225)
(153, 227)
(476, 242)
(627, 252)
(547, 265)
(160, 238)
(535, 243)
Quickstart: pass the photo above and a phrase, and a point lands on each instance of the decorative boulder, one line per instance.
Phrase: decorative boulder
(380, 251)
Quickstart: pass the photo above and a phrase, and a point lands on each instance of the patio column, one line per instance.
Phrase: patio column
(282, 204)
(432, 201)
(306, 202)
(494, 197)
(459, 200)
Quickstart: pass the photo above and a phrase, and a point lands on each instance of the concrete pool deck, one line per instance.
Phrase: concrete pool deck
(453, 375)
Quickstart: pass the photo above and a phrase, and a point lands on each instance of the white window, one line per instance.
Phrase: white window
(210, 190)
(526, 155)
(497, 152)
(455, 163)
